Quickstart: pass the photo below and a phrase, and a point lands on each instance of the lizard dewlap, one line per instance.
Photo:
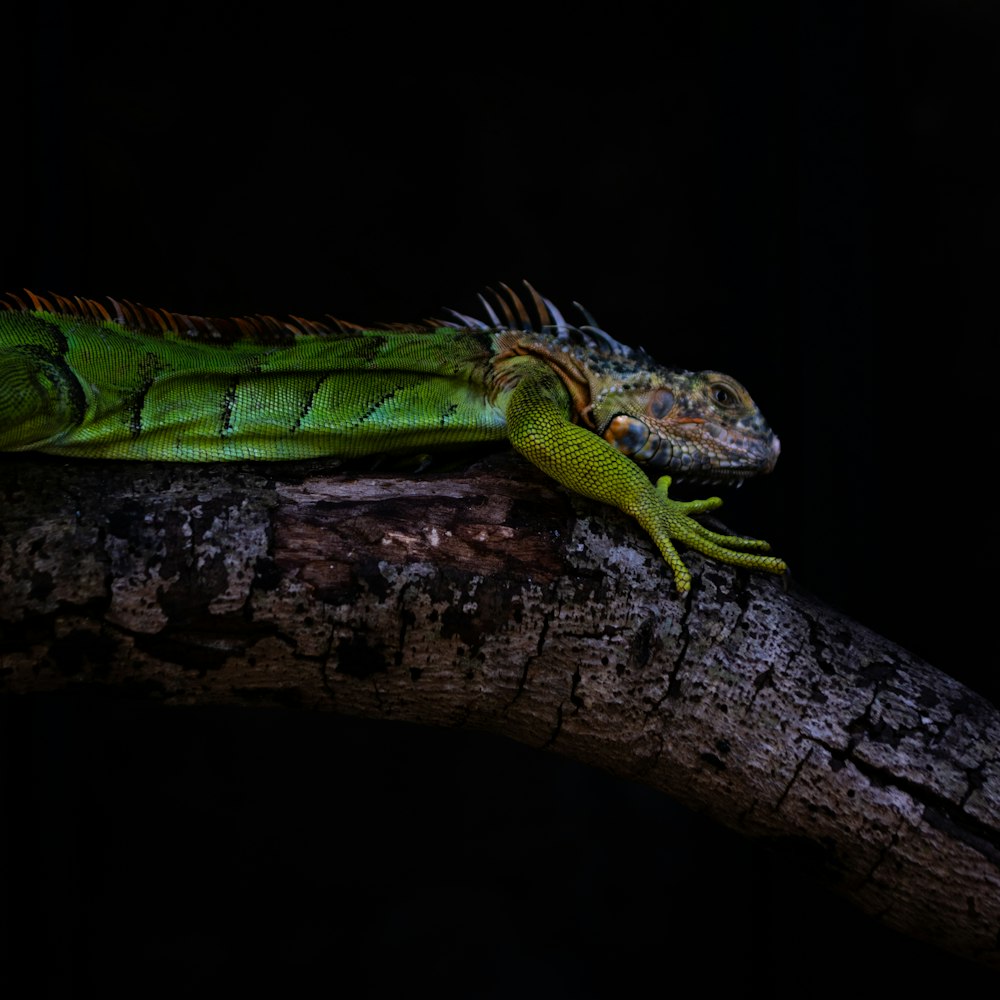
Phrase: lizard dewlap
(79, 378)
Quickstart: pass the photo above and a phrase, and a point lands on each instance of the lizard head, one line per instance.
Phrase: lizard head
(699, 425)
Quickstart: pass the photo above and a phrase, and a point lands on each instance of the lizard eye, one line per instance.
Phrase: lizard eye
(723, 395)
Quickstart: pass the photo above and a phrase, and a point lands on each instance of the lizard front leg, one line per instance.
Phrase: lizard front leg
(540, 429)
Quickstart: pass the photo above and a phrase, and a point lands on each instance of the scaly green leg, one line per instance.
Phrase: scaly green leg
(585, 463)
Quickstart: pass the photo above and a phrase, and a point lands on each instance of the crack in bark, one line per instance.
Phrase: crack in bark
(792, 780)
(974, 776)
(762, 681)
(406, 619)
(884, 852)
(573, 699)
(982, 840)
(529, 662)
(815, 643)
(554, 735)
(937, 811)
(862, 724)
(673, 675)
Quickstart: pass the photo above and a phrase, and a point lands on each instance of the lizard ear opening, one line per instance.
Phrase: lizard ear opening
(661, 402)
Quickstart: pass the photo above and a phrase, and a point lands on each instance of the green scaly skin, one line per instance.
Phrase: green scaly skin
(124, 382)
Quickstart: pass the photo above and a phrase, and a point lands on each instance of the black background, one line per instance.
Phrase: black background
(804, 196)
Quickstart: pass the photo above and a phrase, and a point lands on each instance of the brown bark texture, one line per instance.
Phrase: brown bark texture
(488, 598)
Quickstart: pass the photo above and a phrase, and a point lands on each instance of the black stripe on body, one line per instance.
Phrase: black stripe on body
(449, 413)
(377, 405)
(136, 403)
(149, 370)
(228, 405)
(307, 405)
(229, 399)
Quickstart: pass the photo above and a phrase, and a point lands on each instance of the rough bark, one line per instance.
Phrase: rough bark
(490, 599)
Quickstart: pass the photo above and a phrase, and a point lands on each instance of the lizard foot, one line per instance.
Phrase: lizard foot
(671, 520)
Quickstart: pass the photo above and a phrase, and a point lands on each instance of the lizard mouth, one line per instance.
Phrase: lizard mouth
(697, 451)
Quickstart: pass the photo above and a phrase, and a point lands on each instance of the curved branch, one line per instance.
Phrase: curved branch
(489, 599)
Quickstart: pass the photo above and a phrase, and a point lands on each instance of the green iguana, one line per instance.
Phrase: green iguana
(78, 378)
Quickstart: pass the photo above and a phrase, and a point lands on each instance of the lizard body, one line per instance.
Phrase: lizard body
(78, 379)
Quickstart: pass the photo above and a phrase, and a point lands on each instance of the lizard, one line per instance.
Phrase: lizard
(123, 381)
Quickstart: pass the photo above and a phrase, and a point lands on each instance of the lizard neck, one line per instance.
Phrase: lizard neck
(561, 358)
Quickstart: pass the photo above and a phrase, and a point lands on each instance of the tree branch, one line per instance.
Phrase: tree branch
(490, 599)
